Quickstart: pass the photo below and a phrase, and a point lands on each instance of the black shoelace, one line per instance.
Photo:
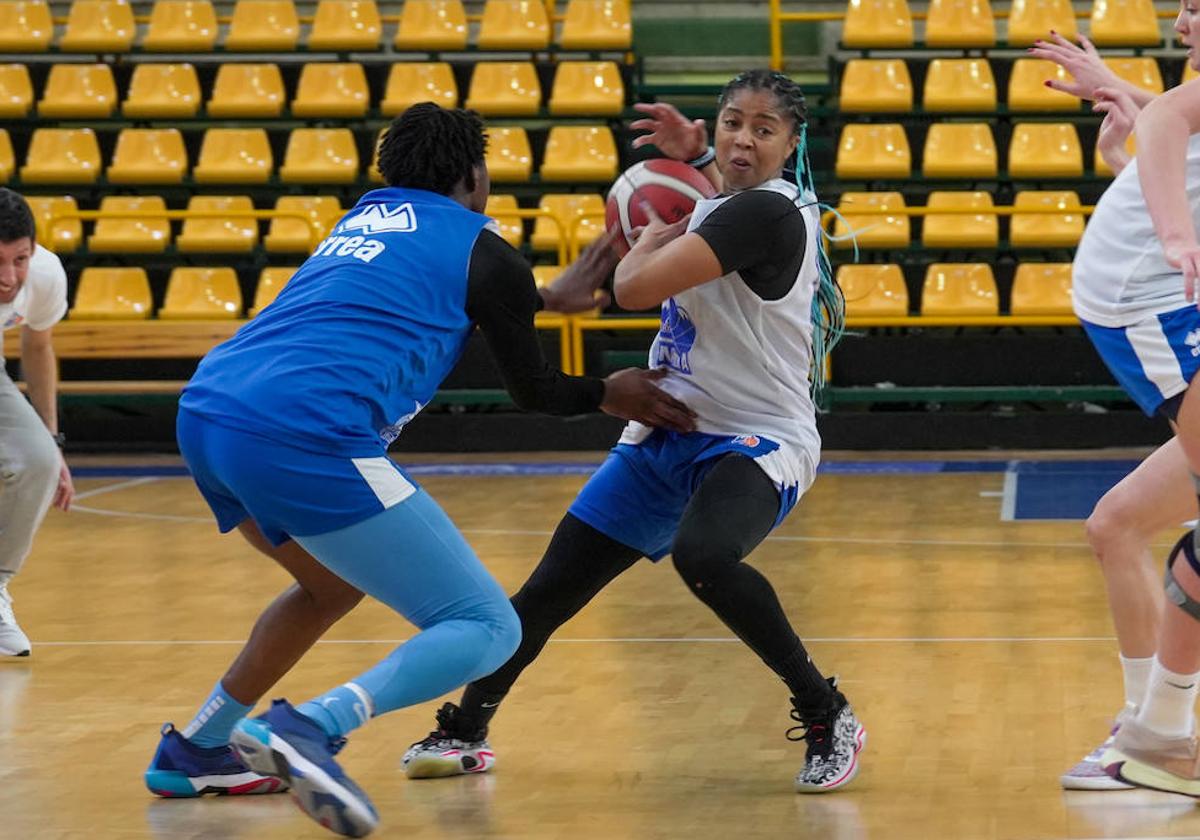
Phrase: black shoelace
(815, 729)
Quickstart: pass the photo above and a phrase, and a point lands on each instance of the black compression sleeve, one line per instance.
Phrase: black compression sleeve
(502, 299)
(761, 235)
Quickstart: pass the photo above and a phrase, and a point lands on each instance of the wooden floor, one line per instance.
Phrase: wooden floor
(977, 653)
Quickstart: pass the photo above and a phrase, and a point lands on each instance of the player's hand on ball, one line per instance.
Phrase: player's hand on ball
(632, 395)
(658, 233)
(674, 134)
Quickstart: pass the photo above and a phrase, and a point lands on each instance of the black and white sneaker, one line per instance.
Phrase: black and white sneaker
(449, 751)
(834, 737)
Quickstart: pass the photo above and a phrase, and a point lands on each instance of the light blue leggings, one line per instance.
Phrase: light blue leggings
(413, 558)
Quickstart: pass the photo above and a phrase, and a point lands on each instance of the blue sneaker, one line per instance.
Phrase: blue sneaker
(291, 747)
(181, 769)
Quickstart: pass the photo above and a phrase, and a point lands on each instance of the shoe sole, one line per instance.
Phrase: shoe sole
(314, 791)
(1105, 782)
(441, 766)
(860, 741)
(173, 784)
(1138, 773)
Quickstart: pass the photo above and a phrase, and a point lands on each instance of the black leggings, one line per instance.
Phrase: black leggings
(730, 513)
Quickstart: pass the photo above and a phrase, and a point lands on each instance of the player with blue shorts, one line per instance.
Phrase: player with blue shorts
(285, 428)
(748, 305)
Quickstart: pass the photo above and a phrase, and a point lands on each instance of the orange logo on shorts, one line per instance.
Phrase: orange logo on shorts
(749, 441)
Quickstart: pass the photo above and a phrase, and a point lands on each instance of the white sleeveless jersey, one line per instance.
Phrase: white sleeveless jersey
(742, 363)
(1121, 275)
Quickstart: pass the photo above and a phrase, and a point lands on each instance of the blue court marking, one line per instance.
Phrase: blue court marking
(1060, 489)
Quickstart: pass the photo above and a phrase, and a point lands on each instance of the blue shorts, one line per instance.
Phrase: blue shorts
(638, 495)
(286, 491)
(1155, 359)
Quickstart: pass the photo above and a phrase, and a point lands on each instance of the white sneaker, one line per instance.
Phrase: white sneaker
(447, 751)
(1089, 773)
(13, 642)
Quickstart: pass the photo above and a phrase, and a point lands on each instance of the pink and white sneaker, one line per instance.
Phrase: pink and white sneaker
(448, 751)
(1089, 773)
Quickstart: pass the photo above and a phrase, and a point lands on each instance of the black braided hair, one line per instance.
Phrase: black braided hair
(16, 219)
(432, 148)
(789, 99)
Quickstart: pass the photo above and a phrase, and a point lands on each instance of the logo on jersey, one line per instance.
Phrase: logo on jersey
(380, 218)
(1193, 340)
(676, 337)
(748, 441)
(13, 320)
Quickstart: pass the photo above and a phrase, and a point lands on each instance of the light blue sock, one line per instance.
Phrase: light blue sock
(340, 711)
(215, 720)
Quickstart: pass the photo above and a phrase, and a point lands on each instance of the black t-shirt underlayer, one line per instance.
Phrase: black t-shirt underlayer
(760, 234)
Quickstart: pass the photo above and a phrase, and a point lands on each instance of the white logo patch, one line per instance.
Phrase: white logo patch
(380, 218)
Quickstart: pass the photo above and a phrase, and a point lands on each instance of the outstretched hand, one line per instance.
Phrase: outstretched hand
(674, 134)
(1120, 114)
(578, 288)
(1082, 61)
(632, 394)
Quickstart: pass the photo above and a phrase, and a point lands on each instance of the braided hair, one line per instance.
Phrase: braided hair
(16, 219)
(432, 148)
(829, 305)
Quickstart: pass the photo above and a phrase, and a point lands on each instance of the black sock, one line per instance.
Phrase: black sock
(811, 690)
(477, 709)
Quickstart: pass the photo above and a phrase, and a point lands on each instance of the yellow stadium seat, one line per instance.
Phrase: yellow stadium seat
(99, 26)
(202, 294)
(512, 228)
(25, 27)
(1042, 289)
(947, 230)
(271, 281)
(960, 23)
(62, 156)
(234, 156)
(181, 26)
(873, 290)
(873, 151)
(112, 294)
(875, 85)
(1029, 20)
(959, 289)
(8, 158)
(1100, 165)
(289, 235)
(514, 25)
(227, 234)
(16, 91)
(79, 91)
(587, 207)
(959, 150)
(597, 25)
(60, 235)
(346, 25)
(134, 228)
(508, 156)
(505, 89)
(247, 90)
(320, 156)
(162, 91)
(587, 87)
(148, 156)
(960, 84)
(1140, 71)
(1042, 230)
(432, 25)
(580, 153)
(412, 82)
(1045, 150)
(1027, 89)
(877, 23)
(1125, 23)
(331, 90)
(263, 26)
(871, 231)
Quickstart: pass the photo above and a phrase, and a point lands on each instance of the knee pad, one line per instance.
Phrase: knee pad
(1185, 547)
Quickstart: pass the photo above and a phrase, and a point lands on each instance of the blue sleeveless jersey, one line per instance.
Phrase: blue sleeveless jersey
(359, 339)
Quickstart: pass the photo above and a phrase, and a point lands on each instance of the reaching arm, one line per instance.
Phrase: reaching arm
(675, 136)
(1087, 69)
(39, 368)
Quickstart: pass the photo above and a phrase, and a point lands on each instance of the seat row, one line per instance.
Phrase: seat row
(192, 293)
(960, 229)
(888, 24)
(335, 90)
(880, 151)
(229, 226)
(312, 156)
(967, 84)
(109, 26)
(956, 290)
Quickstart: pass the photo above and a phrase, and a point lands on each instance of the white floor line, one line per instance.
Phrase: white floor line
(624, 640)
(109, 488)
(1008, 498)
(124, 514)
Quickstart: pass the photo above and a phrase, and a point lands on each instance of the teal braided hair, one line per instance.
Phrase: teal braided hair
(829, 305)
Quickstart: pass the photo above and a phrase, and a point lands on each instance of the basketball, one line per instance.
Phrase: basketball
(671, 187)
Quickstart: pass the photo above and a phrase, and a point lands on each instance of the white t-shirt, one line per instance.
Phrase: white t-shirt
(1121, 275)
(42, 301)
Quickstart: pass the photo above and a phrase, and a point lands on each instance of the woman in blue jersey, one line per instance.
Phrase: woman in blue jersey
(744, 288)
(285, 429)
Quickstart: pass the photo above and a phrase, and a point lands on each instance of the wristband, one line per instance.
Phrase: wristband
(710, 154)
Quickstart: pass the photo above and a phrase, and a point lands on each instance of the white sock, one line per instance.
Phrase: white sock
(1137, 677)
(1169, 705)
